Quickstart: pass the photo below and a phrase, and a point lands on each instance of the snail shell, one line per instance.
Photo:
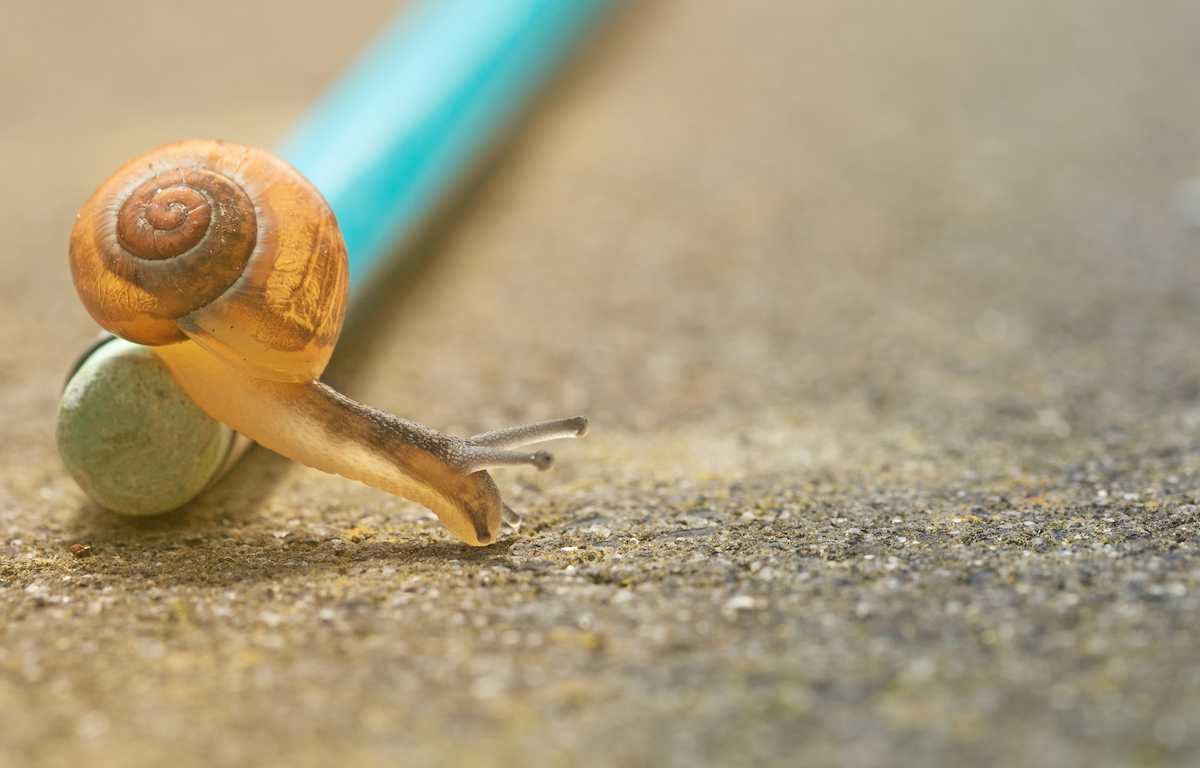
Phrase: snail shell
(220, 243)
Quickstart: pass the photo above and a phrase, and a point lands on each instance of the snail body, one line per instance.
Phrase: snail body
(230, 265)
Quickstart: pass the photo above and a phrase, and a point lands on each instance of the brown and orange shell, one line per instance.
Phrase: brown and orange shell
(220, 243)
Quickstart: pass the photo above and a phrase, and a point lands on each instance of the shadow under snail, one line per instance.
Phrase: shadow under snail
(230, 265)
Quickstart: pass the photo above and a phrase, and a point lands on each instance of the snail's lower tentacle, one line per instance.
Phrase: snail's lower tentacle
(489, 458)
(510, 519)
(313, 424)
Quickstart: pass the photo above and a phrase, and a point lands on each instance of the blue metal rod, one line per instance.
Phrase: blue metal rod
(411, 118)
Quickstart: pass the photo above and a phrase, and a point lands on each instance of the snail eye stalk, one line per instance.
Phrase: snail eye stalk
(540, 432)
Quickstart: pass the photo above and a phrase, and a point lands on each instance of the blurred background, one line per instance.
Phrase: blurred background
(884, 316)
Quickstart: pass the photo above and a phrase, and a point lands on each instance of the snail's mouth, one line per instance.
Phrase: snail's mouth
(510, 523)
(481, 532)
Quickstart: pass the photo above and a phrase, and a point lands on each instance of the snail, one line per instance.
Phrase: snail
(230, 265)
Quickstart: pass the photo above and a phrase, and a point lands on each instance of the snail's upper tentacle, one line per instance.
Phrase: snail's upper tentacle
(576, 426)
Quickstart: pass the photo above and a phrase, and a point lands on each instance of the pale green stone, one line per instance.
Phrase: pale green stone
(133, 441)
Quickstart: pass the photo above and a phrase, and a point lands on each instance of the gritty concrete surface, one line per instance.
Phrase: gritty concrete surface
(885, 317)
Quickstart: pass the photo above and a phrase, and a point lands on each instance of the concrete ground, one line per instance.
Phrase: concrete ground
(885, 318)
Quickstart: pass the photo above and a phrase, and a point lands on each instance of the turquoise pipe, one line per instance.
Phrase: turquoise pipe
(403, 126)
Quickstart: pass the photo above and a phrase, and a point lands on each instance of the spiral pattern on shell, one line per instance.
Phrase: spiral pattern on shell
(220, 243)
(156, 223)
(166, 216)
(201, 221)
